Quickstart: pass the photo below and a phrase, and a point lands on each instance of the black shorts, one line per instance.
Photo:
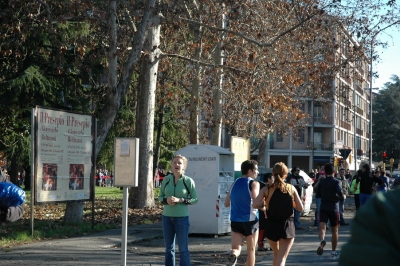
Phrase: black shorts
(332, 216)
(277, 229)
(262, 220)
(244, 228)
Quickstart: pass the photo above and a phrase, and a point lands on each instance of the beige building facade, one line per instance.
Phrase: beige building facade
(343, 122)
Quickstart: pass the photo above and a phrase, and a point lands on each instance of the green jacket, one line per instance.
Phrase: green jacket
(352, 187)
(375, 234)
(168, 188)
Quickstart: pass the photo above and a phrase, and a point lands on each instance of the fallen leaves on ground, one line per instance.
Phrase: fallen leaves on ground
(107, 212)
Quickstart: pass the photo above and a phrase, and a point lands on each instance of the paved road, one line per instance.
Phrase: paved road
(146, 248)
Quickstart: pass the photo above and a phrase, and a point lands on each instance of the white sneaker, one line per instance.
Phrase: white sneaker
(335, 255)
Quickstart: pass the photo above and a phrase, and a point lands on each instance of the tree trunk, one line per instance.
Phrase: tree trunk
(143, 196)
(262, 152)
(13, 170)
(159, 136)
(195, 92)
(194, 106)
(28, 179)
(116, 92)
(217, 98)
(74, 212)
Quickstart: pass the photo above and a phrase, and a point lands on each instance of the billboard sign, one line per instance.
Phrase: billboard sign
(63, 155)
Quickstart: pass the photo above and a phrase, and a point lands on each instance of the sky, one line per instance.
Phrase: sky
(390, 58)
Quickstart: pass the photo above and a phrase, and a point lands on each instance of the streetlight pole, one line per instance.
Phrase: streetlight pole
(312, 134)
(370, 108)
(354, 129)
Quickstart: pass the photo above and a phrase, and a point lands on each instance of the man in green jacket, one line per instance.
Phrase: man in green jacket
(355, 191)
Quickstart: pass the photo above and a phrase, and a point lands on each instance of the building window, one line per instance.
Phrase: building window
(301, 135)
(318, 111)
(303, 107)
(358, 101)
(279, 137)
(358, 143)
(358, 122)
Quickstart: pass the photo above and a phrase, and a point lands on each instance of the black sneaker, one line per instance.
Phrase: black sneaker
(232, 260)
(261, 248)
(320, 249)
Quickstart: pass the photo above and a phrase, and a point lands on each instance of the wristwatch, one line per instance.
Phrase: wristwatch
(183, 200)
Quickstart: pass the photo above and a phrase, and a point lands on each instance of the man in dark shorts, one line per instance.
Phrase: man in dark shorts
(244, 218)
(330, 191)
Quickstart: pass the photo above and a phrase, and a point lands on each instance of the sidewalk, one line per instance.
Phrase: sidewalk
(146, 247)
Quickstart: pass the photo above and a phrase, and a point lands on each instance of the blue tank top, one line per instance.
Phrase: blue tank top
(241, 201)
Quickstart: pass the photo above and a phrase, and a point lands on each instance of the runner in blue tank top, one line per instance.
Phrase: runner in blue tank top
(244, 218)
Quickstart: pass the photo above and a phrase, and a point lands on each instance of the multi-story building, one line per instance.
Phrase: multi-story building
(340, 123)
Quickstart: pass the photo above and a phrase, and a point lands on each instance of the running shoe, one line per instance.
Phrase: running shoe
(261, 248)
(232, 260)
(335, 255)
(320, 249)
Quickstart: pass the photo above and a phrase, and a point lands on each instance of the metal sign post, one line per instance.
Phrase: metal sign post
(124, 237)
(126, 161)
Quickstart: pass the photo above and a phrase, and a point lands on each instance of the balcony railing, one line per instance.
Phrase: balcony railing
(360, 111)
(318, 146)
(360, 91)
(361, 71)
(321, 146)
(345, 125)
(359, 131)
(321, 120)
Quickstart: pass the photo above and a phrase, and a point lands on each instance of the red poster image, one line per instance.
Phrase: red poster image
(49, 179)
(76, 176)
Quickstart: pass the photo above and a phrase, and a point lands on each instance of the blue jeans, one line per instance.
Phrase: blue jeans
(341, 219)
(296, 219)
(364, 198)
(176, 227)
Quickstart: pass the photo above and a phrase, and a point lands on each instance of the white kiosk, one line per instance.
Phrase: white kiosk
(212, 169)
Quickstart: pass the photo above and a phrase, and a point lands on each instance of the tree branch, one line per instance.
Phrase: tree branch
(245, 37)
(130, 21)
(202, 62)
(47, 8)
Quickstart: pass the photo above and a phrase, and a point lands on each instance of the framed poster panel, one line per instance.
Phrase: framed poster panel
(63, 156)
(126, 162)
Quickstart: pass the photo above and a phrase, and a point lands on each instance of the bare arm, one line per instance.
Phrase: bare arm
(258, 202)
(227, 202)
(255, 189)
(297, 200)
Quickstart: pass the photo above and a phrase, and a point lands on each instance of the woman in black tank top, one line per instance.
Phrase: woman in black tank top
(279, 199)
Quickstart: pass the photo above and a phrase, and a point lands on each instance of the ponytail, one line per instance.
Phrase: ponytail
(280, 172)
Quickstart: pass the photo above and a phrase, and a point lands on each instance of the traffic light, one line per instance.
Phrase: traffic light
(384, 157)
